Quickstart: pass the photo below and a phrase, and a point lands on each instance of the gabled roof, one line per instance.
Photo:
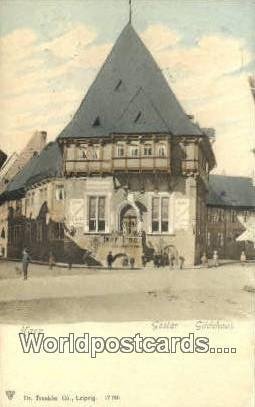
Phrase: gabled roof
(46, 165)
(231, 191)
(128, 68)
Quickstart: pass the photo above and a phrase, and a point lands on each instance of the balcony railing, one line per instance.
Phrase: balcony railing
(118, 164)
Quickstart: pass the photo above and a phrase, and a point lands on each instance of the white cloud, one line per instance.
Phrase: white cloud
(71, 42)
(36, 91)
(202, 76)
(159, 37)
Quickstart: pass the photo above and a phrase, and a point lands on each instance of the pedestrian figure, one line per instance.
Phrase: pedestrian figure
(215, 258)
(69, 261)
(51, 261)
(143, 260)
(181, 262)
(125, 261)
(25, 261)
(157, 260)
(132, 262)
(165, 259)
(172, 260)
(204, 260)
(109, 260)
(243, 258)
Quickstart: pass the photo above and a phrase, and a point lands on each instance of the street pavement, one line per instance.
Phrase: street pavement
(80, 294)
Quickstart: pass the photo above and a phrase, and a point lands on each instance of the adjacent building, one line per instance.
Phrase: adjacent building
(230, 204)
(12, 168)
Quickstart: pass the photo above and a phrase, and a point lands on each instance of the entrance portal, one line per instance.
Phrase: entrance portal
(128, 220)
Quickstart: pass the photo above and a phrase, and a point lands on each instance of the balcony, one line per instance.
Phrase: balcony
(116, 164)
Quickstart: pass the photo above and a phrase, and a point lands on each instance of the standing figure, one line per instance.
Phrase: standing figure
(51, 261)
(132, 262)
(243, 258)
(25, 261)
(144, 260)
(215, 258)
(204, 260)
(172, 261)
(181, 262)
(165, 259)
(109, 260)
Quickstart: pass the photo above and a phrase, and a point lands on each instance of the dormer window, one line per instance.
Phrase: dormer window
(119, 85)
(96, 122)
(147, 150)
(134, 151)
(162, 150)
(120, 149)
(95, 152)
(138, 117)
(83, 153)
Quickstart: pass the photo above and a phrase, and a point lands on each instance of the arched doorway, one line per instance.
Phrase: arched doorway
(128, 220)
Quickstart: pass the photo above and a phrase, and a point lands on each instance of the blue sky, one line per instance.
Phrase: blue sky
(51, 51)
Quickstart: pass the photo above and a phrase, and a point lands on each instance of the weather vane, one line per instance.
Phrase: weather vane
(130, 11)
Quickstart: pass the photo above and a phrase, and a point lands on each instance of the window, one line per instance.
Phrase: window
(120, 150)
(162, 150)
(60, 192)
(134, 151)
(83, 153)
(147, 150)
(96, 122)
(95, 152)
(97, 214)
(119, 85)
(138, 117)
(160, 214)
(164, 214)
(155, 214)
(56, 231)
(3, 234)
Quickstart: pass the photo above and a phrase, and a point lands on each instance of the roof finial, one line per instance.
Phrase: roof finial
(130, 11)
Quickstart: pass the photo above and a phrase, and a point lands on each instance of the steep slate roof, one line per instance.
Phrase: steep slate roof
(231, 191)
(129, 82)
(47, 164)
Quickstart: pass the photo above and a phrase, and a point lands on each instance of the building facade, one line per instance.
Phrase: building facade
(128, 174)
